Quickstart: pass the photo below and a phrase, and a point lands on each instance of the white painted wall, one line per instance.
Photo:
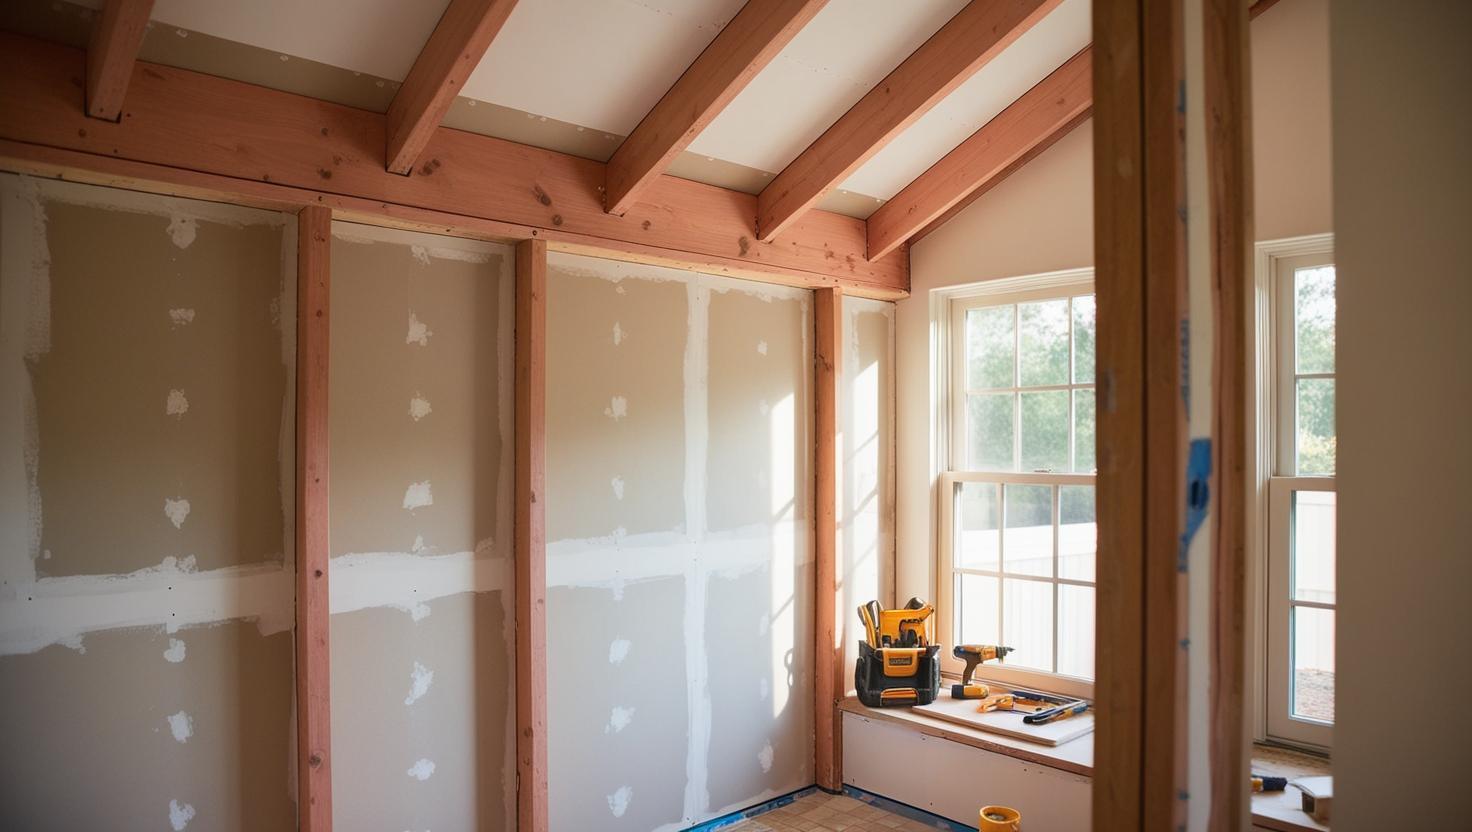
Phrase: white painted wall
(1402, 120)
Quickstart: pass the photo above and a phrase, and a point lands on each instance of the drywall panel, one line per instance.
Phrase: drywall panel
(1291, 146)
(421, 431)
(690, 612)
(150, 729)
(420, 716)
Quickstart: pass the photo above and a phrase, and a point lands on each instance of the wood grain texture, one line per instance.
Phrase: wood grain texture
(975, 35)
(530, 536)
(199, 123)
(1229, 164)
(742, 49)
(313, 656)
(453, 51)
(116, 38)
(828, 688)
(1039, 118)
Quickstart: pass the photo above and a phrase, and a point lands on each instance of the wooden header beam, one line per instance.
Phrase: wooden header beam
(111, 54)
(461, 39)
(975, 35)
(1042, 116)
(743, 48)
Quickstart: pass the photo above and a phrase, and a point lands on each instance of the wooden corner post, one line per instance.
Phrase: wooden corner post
(828, 684)
(313, 661)
(530, 537)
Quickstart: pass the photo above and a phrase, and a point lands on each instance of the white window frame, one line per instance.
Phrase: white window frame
(1272, 411)
(948, 315)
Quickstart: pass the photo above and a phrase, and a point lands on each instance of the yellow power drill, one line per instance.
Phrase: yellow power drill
(973, 655)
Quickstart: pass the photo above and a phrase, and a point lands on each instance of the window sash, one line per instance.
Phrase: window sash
(1286, 355)
(1281, 723)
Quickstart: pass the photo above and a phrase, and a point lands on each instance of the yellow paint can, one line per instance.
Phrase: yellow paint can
(1000, 819)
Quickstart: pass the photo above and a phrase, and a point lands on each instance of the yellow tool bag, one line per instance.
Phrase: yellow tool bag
(898, 665)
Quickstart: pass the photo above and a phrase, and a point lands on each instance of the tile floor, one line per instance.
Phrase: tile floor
(822, 812)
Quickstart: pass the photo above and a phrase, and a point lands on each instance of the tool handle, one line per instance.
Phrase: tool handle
(1042, 717)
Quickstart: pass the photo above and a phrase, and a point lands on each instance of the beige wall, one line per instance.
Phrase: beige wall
(1402, 175)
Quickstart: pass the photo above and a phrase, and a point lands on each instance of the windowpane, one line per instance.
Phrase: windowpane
(1044, 337)
(1045, 431)
(979, 546)
(1028, 545)
(1313, 319)
(989, 347)
(1027, 623)
(976, 596)
(1316, 440)
(1083, 432)
(1083, 339)
(989, 430)
(1313, 546)
(1313, 663)
(1078, 535)
(1076, 630)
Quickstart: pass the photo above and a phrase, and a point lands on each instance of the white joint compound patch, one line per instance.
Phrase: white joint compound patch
(618, 651)
(180, 815)
(618, 487)
(761, 347)
(764, 757)
(420, 253)
(181, 725)
(618, 719)
(177, 510)
(420, 678)
(182, 230)
(177, 404)
(618, 802)
(175, 653)
(617, 409)
(75, 643)
(419, 546)
(419, 407)
(419, 332)
(418, 495)
(618, 334)
(181, 317)
(422, 770)
(417, 612)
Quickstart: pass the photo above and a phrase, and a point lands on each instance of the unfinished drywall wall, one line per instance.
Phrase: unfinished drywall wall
(679, 547)
(421, 444)
(146, 354)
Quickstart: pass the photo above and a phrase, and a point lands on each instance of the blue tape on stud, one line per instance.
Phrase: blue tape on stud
(1198, 494)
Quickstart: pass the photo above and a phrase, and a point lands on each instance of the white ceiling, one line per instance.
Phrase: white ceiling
(602, 64)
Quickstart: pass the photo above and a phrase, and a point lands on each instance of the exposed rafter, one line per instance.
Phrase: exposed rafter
(463, 35)
(746, 45)
(975, 35)
(112, 53)
(1030, 124)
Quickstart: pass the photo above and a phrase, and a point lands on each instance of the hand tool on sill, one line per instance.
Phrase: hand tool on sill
(1055, 714)
(1031, 697)
(995, 702)
(897, 664)
(973, 655)
(1267, 783)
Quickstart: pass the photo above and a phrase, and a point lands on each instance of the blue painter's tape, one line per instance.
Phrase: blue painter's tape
(906, 810)
(761, 808)
(1198, 494)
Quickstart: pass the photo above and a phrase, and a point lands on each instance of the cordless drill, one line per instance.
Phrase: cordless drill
(973, 655)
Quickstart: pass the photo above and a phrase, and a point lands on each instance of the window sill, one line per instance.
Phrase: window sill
(1282, 810)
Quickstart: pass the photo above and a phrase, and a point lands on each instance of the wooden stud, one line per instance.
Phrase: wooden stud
(111, 54)
(530, 537)
(828, 688)
(1039, 118)
(975, 35)
(742, 49)
(458, 42)
(207, 125)
(1229, 163)
(313, 659)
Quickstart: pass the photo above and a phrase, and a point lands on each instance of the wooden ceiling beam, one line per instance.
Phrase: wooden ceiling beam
(1039, 118)
(975, 35)
(111, 54)
(453, 51)
(742, 49)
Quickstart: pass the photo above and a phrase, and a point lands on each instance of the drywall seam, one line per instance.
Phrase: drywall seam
(286, 450)
(408, 582)
(506, 397)
(615, 271)
(613, 563)
(183, 213)
(697, 691)
(24, 315)
(445, 248)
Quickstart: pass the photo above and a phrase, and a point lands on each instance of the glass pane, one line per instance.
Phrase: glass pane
(1083, 339)
(1044, 337)
(1045, 431)
(989, 347)
(1313, 546)
(1027, 623)
(977, 599)
(1083, 432)
(979, 544)
(1313, 663)
(1313, 319)
(989, 431)
(1076, 630)
(1315, 426)
(1028, 544)
(1078, 534)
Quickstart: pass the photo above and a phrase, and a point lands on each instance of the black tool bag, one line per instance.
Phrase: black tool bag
(896, 677)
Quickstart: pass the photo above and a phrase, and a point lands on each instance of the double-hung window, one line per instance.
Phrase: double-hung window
(1017, 525)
